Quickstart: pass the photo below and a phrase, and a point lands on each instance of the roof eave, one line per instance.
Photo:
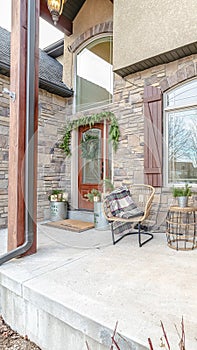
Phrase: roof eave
(162, 58)
(56, 49)
(55, 88)
(4, 69)
(43, 84)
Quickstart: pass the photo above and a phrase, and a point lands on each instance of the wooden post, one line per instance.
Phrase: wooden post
(16, 204)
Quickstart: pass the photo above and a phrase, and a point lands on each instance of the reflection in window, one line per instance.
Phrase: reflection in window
(94, 78)
(182, 146)
(182, 135)
(183, 95)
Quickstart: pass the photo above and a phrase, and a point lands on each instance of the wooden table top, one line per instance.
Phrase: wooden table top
(184, 210)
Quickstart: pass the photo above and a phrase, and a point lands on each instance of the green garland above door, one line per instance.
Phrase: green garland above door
(114, 132)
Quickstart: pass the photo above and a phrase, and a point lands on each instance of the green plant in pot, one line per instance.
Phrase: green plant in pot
(182, 194)
(58, 196)
(93, 196)
(96, 195)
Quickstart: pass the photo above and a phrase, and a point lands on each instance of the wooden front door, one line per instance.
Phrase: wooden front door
(90, 162)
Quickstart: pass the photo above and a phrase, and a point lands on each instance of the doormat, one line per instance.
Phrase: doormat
(71, 225)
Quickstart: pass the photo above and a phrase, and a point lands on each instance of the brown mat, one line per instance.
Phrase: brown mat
(71, 225)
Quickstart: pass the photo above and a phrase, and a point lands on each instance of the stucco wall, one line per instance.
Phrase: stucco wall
(60, 59)
(92, 13)
(146, 28)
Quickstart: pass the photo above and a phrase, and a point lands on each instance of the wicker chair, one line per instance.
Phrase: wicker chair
(142, 196)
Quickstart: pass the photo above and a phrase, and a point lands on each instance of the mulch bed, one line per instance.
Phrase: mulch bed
(11, 340)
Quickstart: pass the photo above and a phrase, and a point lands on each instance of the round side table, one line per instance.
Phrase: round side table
(181, 228)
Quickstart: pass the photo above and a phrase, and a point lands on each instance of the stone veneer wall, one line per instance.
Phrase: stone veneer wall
(128, 99)
(53, 168)
(128, 162)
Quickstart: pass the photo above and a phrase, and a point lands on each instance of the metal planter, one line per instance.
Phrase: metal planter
(58, 211)
(182, 202)
(100, 222)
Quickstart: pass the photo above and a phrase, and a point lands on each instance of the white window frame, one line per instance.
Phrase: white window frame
(167, 110)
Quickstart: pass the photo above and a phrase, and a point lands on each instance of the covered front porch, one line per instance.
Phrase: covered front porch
(79, 285)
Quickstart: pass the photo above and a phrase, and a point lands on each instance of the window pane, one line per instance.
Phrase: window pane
(182, 146)
(183, 95)
(91, 154)
(94, 81)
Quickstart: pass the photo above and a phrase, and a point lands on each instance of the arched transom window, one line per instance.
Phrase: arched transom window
(94, 75)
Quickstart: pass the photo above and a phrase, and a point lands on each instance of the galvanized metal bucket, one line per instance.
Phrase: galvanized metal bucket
(182, 202)
(58, 211)
(100, 222)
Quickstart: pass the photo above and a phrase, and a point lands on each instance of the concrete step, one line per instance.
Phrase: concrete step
(38, 297)
(51, 318)
(82, 215)
(75, 288)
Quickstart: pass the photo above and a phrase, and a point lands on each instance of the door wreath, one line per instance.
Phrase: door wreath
(89, 146)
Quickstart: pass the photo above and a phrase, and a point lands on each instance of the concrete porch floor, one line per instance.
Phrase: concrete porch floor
(78, 285)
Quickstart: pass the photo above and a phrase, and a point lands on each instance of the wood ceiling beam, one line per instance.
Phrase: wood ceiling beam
(64, 24)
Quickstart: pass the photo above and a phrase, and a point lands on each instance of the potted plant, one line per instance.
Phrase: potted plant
(182, 194)
(93, 196)
(96, 197)
(58, 205)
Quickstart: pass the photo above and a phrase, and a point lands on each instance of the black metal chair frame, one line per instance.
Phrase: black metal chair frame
(139, 233)
(141, 229)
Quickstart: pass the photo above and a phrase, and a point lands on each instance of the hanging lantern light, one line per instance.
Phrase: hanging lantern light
(55, 7)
